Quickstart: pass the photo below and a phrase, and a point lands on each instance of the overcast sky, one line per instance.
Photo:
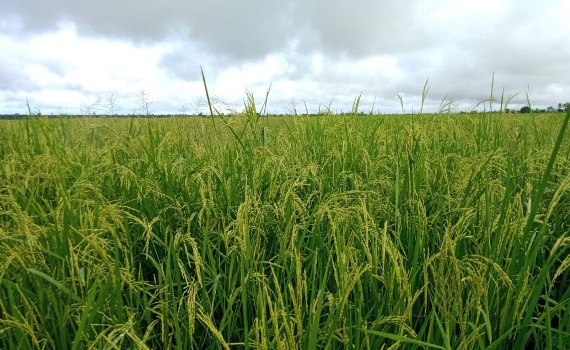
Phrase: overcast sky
(64, 55)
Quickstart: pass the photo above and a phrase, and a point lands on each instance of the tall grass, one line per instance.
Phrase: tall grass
(305, 232)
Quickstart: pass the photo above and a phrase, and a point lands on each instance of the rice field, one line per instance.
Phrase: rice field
(260, 232)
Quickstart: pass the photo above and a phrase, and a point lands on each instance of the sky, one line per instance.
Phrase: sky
(117, 57)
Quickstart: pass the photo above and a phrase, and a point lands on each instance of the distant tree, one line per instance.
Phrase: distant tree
(110, 104)
(90, 107)
(198, 104)
(525, 109)
(563, 107)
(293, 106)
(143, 100)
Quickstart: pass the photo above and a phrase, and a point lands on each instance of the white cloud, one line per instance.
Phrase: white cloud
(62, 54)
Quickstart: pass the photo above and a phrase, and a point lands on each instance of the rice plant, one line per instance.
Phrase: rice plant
(365, 232)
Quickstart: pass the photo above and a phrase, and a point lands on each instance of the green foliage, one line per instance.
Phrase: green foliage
(368, 232)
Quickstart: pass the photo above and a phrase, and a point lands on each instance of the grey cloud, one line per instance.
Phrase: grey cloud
(364, 27)
(12, 79)
(184, 62)
(236, 29)
(240, 30)
(522, 44)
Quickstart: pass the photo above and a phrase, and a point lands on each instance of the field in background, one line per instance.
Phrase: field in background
(362, 232)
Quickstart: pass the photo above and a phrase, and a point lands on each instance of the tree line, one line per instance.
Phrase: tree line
(562, 107)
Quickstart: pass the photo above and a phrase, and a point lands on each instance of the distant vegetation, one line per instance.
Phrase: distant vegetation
(109, 106)
(524, 109)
